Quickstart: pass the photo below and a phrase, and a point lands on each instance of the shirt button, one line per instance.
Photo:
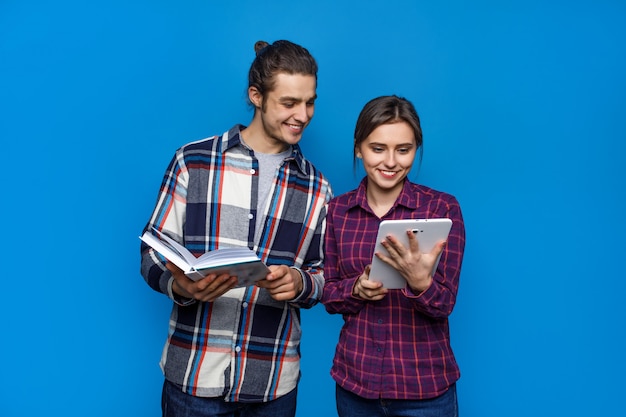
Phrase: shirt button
(250, 216)
(237, 349)
(252, 171)
(380, 321)
(245, 305)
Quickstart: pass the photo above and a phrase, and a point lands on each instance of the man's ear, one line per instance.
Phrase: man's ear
(255, 96)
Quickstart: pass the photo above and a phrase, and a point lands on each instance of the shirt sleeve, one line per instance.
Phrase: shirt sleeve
(337, 298)
(438, 300)
(312, 270)
(168, 216)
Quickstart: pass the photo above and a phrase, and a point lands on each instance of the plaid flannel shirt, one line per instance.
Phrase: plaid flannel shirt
(244, 346)
(397, 347)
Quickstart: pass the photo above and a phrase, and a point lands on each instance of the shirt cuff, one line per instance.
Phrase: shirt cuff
(181, 301)
(305, 286)
(408, 291)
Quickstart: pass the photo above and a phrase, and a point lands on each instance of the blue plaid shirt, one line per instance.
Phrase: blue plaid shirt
(244, 346)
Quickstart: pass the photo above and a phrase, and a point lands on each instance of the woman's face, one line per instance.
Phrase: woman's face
(388, 154)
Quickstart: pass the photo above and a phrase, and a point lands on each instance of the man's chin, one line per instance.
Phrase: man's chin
(291, 139)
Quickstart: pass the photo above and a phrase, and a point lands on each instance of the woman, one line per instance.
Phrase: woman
(393, 356)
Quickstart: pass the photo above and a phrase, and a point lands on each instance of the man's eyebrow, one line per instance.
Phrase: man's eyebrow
(296, 99)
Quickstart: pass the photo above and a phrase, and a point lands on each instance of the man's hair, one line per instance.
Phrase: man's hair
(281, 56)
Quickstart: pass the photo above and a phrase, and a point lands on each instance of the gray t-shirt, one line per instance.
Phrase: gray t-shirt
(268, 164)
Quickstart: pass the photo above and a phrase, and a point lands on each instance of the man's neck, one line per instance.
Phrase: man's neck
(254, 136)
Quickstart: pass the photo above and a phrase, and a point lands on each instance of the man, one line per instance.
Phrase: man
(235, 351)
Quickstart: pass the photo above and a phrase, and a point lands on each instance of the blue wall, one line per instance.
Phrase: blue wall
(523, 114)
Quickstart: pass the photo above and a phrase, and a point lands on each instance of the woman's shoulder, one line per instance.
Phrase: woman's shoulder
(345, 199)
(426, 190)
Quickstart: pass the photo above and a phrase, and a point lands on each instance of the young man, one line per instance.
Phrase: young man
(235, 351)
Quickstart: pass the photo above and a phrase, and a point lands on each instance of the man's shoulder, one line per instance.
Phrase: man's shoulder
(224, 140)
(311, 171)
(201, 144)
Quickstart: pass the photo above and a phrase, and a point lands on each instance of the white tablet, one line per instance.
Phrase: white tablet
(428, 233)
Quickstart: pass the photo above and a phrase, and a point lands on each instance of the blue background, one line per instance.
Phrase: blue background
(522, 105)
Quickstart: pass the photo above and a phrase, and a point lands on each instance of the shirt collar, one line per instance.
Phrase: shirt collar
(407, 198)
(232, 138)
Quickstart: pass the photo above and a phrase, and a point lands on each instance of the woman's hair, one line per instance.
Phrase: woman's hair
(281, 56)
(387, 110)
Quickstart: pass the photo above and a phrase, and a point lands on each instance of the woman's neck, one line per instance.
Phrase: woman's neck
(381, 201)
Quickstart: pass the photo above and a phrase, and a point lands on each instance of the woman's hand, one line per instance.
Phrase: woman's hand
(416, 267)
(368, 290)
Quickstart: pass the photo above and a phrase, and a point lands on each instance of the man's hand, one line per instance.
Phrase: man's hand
(206, 289)
(283, 283)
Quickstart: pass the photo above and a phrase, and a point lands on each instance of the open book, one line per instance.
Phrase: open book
(236, 261)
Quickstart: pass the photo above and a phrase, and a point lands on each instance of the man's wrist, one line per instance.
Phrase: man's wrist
(299, 288)
(176, 296)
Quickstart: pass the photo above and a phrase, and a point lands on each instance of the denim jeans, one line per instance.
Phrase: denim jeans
(176, 403)
(351, 405)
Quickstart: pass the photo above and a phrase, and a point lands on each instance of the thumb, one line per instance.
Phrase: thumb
(367, 271)
(439, 247)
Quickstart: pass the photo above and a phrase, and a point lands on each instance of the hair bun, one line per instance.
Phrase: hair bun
(259, 46)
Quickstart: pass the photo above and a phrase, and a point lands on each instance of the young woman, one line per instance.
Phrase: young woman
(393, 357)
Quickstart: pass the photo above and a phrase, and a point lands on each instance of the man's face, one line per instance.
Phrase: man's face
(288, 108)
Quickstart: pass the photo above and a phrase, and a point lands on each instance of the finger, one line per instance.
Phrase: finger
(213, 292)
(270, 283)
(173, 269)
(223, 281)
(282, 296)
(413, 243)
(392, 245)
(377, 297)
(284, 288)
(286, 291)
(374, 295)
(212, 282)
(366, 273)
(386, 259)
(370, 285)
(277, 272)
(263, 283)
